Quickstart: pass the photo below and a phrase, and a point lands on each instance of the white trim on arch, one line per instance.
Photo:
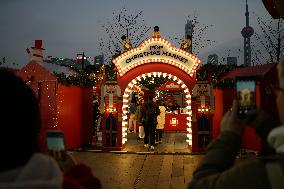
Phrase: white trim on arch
(165, 75)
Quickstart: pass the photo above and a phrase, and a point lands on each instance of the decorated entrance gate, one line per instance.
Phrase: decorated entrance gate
(156, 57)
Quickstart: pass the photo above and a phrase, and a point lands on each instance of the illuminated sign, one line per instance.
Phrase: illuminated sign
(80, 57)
(156, 50)
(174, 122)
(172, 85)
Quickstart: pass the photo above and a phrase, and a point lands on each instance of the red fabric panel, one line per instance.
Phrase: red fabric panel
(87, 115)
(75, 116)
(218, 113)
(69, 117)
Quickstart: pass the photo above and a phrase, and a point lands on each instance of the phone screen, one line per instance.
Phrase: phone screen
(55, 140)
(245, 96)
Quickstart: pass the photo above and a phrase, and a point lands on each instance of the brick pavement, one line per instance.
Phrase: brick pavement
(133, 171)
(169, 166)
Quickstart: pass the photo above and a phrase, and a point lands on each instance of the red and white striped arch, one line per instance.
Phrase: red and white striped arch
(128, 90)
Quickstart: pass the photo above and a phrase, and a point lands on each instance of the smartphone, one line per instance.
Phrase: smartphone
(245, 96)
(55, 140)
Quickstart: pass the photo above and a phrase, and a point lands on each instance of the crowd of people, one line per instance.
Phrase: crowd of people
(150, 116)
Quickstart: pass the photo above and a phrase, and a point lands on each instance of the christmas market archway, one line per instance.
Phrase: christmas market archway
(156, 57)
(127, 93)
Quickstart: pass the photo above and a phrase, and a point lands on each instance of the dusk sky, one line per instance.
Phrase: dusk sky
(68, 27)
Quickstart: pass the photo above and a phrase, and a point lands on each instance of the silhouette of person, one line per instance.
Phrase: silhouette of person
(21, 166)
(21, 163)
(216, 169)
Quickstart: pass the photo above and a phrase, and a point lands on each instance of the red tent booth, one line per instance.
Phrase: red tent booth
(225, 92)
(67, 108)
(174, 121)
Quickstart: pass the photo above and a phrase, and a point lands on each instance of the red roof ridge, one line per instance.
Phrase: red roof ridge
(259, 70)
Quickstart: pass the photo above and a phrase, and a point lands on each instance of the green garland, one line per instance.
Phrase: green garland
(224, 84)
(211, 71)
(152, 82)
(82, 78)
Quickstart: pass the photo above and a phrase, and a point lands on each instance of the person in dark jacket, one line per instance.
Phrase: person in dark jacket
(22, 165)
(217, 169)
(150, 111)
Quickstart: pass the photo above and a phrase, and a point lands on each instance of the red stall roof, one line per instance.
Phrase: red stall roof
(259, 71)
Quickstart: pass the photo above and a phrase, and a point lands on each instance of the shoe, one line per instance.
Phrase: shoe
(152, 147)
(146, 145)
(160, 142)
(157, 142)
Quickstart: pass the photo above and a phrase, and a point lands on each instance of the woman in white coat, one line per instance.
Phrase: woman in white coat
(160, 122)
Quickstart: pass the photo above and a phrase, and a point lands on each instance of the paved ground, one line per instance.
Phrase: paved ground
(140, 171)
(171, 143)
(169, 166)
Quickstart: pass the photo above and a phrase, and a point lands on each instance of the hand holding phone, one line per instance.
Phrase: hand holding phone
(231, 122)
(56, 144)
(246, 96)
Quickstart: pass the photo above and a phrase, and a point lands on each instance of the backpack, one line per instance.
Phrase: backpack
(132, 108)
(151, 113)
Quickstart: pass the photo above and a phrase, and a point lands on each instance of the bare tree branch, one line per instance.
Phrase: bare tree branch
(268, 43)
(122, 23)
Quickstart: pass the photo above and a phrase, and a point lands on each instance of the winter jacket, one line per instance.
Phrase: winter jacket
(216, 170)
(132, 108)
(139, 112)
(149, 113)
(41, 172)
(161, 118)
(80, 177)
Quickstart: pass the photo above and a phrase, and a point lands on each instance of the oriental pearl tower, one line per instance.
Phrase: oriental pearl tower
(247, 32)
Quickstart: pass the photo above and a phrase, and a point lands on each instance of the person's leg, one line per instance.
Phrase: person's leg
(160, 135)
(130, 123)
(134, 123)
(152, 136)
(141, 132)
(157, 135)
(146, 138)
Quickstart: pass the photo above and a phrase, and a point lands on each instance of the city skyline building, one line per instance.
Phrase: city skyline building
(99, 60)
(232, 61)
(247, 32)
(212, 59)
(188, 32)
